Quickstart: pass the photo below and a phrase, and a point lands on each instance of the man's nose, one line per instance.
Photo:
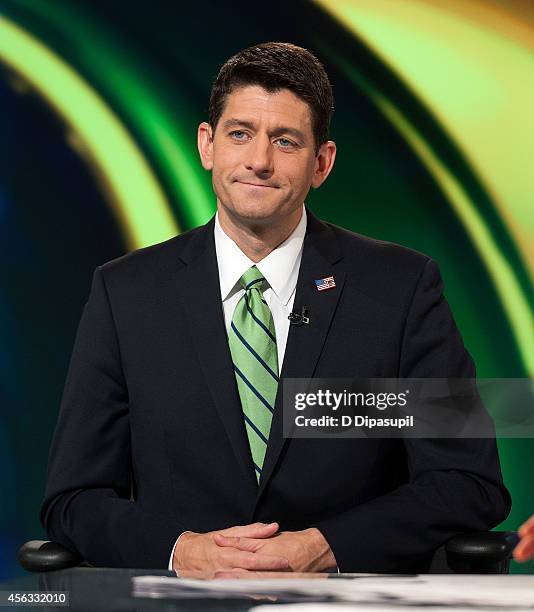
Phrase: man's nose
(260, 156)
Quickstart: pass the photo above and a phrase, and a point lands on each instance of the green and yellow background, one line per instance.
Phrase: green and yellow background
(99, 104)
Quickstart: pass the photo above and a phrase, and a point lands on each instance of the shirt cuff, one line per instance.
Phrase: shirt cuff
(172, 551)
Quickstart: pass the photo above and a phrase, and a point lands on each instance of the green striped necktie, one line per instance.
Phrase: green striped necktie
(252, 341)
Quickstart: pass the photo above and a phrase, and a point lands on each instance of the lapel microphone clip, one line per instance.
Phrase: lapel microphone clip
(299, 319)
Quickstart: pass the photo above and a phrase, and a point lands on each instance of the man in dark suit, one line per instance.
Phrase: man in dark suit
(169, 445)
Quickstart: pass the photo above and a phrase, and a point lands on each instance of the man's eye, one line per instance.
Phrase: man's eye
(238, 135)
(285, 143)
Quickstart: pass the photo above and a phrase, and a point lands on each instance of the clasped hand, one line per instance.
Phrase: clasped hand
(254, 547)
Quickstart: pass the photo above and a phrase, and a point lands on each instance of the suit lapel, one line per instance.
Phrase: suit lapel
(203, 304)
(321, 257)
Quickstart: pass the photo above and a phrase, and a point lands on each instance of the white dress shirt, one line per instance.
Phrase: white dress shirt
(280, 268)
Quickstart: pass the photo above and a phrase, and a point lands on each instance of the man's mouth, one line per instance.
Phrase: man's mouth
(256, 184)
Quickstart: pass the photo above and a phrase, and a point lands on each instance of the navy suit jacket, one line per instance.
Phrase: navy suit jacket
(150, 440)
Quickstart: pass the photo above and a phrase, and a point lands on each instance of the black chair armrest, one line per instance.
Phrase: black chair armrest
(486, 552)
(42, 556)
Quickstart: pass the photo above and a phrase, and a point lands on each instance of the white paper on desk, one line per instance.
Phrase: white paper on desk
(288, 589)
(459, 590)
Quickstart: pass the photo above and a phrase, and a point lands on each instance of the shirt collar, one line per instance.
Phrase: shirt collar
(280, 267)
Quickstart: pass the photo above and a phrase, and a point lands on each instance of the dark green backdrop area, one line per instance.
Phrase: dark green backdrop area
(151, 66)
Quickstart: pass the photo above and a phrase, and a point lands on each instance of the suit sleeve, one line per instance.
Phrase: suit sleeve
(88, 505)
(454, 485)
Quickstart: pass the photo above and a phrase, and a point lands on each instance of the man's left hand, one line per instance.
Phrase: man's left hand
(307, 550)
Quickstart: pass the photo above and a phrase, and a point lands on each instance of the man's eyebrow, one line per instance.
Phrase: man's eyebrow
(229, 123)
(238, 123)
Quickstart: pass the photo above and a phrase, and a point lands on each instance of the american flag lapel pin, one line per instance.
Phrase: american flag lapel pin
(325, 283)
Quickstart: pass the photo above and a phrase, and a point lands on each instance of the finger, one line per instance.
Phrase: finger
(255, 530)
(239, 559)
(529, 521)
(520, 556)
(527, 526)
(524, 550)
(526, 531)
(246, 544)
(251, 530)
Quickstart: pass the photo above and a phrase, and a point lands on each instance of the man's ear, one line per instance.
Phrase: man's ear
(205, 145)
(324, 163)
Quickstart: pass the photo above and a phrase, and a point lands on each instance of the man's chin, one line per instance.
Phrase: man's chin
(256, 213)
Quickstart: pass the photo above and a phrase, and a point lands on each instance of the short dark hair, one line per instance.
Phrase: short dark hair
(275, 66)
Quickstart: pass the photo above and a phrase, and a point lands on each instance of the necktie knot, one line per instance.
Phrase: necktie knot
(253, 278)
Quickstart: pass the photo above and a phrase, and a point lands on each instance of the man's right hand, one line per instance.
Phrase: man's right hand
(198, 551)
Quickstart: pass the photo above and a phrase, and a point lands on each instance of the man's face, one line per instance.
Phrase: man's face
(262, 155)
